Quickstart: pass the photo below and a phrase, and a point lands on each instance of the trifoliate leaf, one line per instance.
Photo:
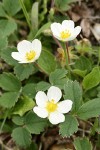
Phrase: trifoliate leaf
(3, 43)
(34, 123)
(9, 99)
(7, 26)
(46, 62)
(58, 78)
(9, 82)
(6, 55)
(11, 6)
(29, 90)
(42, 86)
(21, 136)
(2, 12)
(92, 79)
(89, 109)
(73, 91)
(83, 64)
(23, 71)
(69, 126)
(18, 120)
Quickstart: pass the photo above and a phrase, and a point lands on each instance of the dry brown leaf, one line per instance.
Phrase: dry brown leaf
(75, 17)
(85, 24)
(81, 10)
(96, 31)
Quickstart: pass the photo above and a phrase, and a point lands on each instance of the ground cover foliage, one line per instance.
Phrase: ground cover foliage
(78, 77)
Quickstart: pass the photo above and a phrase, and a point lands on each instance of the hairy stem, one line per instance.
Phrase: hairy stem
(67, 52)
(57, 42)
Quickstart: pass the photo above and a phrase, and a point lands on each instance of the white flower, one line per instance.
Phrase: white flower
(65, 31)
(49, 105)
(27, 52)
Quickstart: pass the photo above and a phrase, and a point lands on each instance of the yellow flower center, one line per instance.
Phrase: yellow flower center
(30, 55)
(65, 34)
(51, 106)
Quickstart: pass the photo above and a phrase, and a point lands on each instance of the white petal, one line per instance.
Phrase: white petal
(65, 106)
(56, 118)
(56, 28)
(25, 62)
(77, 30)
(74, 34)
(41, 99)
(40, 112)
(68, 25)
(24, 46)
(54, 93)
(58, 37)
(16, 56)
(37, 47)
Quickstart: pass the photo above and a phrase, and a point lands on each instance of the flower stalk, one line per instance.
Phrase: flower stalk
(68, 53)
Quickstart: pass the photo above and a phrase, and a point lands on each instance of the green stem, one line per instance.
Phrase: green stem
(25, 13)
(65, 47)
(66, 56)
(4, 120)
(58, 43)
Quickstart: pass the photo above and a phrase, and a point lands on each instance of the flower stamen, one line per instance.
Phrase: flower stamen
(51, 106)
(30, 55)
(65, 34)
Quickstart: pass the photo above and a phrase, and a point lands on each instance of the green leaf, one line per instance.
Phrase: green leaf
(33, 146)
(3, 43)
(9, 82)
(21, 136)
(23, 71)
(47, 62)
(9, 99)
(58, 78)
(81, 73)
(42, 86)
(2, 12)
(34, 123)
(44, 27)
(18, 120)
(34, 15)
(24, 104)
(73, 92)
(7, 26)
(29, 90)
(82, 144)
(69, 126)
(92, 79)
(89, 109)
(11, 6)
(63, 4)
(83, 64)
(6, 56)
(6, 128)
